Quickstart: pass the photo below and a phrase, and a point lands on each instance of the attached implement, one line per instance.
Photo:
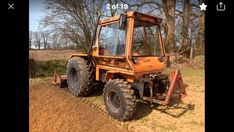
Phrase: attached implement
(59, 81)
(129, 57)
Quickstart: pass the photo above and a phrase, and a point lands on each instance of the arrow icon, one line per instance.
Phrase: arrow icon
(220, 7)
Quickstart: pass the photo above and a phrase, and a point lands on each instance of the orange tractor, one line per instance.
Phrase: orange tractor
(128, 56)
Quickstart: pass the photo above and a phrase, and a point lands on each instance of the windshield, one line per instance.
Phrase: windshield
(145, 40)
(112, 40)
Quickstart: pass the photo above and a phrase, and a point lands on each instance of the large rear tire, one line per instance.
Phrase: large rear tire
(80, 76)
(119, 99)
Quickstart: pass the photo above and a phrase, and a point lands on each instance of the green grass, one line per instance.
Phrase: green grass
(188, 72)
(46, 68)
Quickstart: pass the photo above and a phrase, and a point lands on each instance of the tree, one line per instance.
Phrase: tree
(37, 37)
(75, 22)
(169, 9)
(201, 33)
(55, 41)
(77, 19)
(64, 40)
(45, 37)
(30, 39)
(185, 28)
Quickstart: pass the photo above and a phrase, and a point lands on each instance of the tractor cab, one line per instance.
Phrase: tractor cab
(131, 41)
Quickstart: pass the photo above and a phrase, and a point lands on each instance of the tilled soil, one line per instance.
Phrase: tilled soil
(53, 109)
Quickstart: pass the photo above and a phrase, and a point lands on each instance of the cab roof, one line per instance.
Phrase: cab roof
(136, 16)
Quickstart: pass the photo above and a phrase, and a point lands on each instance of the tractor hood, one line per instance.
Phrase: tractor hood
(147, 64)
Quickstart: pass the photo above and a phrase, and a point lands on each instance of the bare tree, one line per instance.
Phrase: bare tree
(169, 9)
(201, 33)
(30, 39)
(64, 40)
(45, 37)
(185, 28)
(75, 23)
(77, 19)
(55, 41)
(37, 40)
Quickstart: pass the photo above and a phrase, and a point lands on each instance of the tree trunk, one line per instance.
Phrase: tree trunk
(186, 14)
(66, 41)
(30, 44)
(201, 33)
(45, 45)
(57, 46)
(169, 9)
(39, 45)
(191, 54)
(54, 46)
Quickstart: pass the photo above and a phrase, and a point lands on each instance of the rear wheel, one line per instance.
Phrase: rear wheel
(119, 99)
(80, 76)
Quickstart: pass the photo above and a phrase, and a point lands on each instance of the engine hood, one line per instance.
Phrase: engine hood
(148, 64)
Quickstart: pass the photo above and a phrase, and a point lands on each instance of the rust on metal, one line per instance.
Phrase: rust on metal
(175, 77)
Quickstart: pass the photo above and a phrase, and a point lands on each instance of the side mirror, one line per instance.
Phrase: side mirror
(122, 21)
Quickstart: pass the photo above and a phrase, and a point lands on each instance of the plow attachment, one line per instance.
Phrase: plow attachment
(176, 80)
(59, 81)
(175, 87)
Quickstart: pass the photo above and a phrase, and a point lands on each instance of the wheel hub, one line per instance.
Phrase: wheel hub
(114, 101)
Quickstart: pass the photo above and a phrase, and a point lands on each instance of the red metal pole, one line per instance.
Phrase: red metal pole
(171, 88)
(181, 84)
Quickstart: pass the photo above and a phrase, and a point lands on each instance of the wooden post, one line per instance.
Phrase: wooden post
(32, 71)
(168, 62)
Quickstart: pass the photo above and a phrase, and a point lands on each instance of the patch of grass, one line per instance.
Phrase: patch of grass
(188, 72)
(46, 68)
(192, 72)
(98, 101)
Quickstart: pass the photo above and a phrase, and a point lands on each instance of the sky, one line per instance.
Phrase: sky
(35, 14)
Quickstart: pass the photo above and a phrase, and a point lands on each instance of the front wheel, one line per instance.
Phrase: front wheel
(119, 99)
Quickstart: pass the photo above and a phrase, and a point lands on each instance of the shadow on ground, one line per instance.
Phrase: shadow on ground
(143, 109)
(176, 108)
(98, 90)
(176, 111)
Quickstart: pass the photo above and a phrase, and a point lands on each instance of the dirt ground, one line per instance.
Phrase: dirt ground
(54, 109)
